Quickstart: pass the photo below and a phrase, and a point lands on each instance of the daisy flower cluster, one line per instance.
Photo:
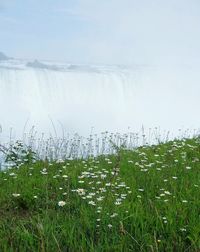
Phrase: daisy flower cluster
(100, 187)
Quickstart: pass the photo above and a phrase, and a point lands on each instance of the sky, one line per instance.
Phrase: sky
(102, 31)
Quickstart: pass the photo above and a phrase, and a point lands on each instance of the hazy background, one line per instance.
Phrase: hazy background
(159, 39)
(102, 31)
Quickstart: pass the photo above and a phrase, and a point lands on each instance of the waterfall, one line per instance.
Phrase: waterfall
(78, 98)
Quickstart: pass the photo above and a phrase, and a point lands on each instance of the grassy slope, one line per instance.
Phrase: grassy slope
(159, 211)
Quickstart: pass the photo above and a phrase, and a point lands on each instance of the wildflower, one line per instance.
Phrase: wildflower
(92, 203)
(16, 195)
(60, 161)
(113, 215)
(184, 201)
(119, 199)
(144, 170)
(103, 176)
(122, 184)
(80, 177)
(89, 196)
(12, 174)
(56, 176)
(109, 225)
(102, 189)
(44, 171)
(81, 181)
(61, 203)
(65, 176)
(183, 229)
(100, 198)
(81, 191)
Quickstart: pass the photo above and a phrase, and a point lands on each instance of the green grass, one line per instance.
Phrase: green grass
(142, 200)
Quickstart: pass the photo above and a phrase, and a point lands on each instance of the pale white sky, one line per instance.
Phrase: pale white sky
(102, 31)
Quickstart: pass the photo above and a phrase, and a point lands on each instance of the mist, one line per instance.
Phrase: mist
(108, 32)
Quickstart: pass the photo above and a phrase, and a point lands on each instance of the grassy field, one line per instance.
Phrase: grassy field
(147, 199)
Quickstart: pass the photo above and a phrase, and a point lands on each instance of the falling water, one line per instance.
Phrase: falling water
(77, 98)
